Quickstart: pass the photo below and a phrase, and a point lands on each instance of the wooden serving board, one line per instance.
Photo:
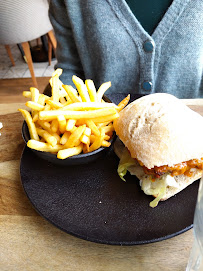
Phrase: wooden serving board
(28, 242)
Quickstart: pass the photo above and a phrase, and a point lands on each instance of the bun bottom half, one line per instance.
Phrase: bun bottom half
(182, 181)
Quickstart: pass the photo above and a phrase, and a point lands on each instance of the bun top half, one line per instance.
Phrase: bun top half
(159, 129)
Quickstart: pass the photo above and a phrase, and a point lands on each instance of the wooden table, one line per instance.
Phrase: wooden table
(29, 242)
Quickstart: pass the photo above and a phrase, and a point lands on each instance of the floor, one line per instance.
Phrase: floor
(20, 70)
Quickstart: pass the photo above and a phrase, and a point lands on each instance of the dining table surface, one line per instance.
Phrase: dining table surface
(30, 242)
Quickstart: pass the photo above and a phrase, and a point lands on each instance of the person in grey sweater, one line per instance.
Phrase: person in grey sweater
(103, 40)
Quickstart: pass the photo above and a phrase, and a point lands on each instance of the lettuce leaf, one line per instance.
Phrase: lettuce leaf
(125, 162)
(149, 187)
(161, 193)
(157, 188)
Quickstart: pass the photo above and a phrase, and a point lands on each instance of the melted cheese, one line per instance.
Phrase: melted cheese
(153, 187)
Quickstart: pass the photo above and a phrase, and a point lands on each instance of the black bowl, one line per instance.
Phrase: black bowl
(79, 159)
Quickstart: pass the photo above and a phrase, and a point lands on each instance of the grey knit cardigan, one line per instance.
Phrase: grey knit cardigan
(103, 41)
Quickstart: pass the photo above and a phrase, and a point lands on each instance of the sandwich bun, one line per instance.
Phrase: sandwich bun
(159, 129)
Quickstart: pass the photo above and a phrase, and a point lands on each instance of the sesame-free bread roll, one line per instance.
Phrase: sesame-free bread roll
(158, 129)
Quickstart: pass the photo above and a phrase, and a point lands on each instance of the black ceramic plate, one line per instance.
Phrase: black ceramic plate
(93, 203)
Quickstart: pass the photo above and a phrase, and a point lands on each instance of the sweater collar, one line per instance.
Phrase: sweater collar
(135, 29)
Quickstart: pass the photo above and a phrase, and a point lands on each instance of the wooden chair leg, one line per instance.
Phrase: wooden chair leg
(26, 48)
(49, 51)
(8, 49)
(52, 38)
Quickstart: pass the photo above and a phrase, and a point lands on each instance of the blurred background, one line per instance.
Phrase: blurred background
(21, 70)
(27, 47)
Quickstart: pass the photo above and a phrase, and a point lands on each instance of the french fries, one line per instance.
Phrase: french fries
(71, 114)
(70, 124)
(42, 146)
(82, 89)
(102, 89)
(63, 154)
(47, 137)
(71, 121)
(123, 103)
(31, 126)
(72, 93)
(91, 90)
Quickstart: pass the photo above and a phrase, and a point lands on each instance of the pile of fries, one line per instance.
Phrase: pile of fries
(71, 121)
